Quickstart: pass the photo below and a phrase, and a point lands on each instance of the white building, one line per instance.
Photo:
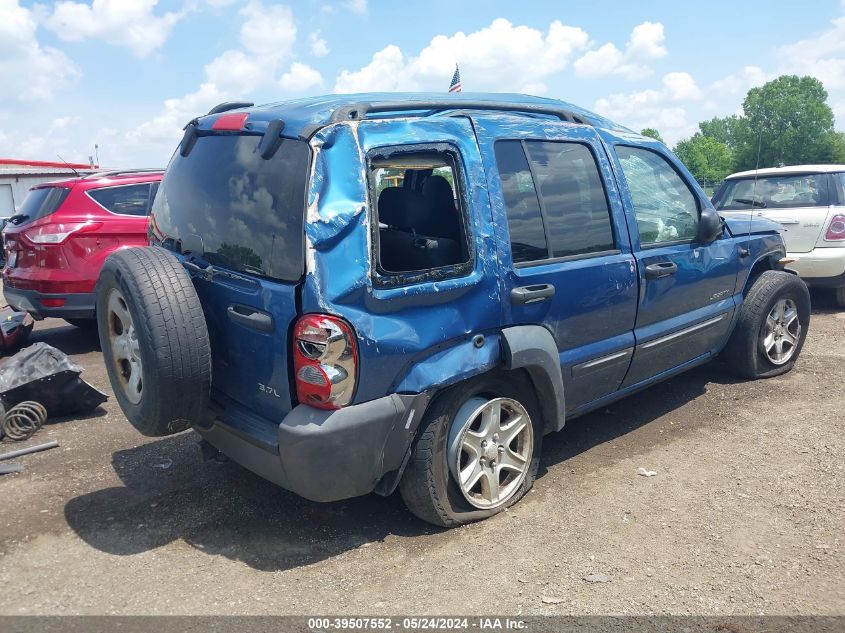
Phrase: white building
(17, 176)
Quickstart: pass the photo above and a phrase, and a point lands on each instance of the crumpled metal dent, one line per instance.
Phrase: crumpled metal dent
(337, 193)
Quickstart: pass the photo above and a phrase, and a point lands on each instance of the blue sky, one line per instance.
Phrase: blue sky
(127, 74)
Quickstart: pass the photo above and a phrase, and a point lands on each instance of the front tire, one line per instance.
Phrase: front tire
(771, 328)
(477, 451)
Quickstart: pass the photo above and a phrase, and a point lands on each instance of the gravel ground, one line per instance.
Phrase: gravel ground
(746, 515)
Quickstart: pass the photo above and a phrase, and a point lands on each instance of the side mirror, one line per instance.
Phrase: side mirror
(709, 226)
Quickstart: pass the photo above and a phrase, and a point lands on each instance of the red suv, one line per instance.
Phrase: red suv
(58, 239)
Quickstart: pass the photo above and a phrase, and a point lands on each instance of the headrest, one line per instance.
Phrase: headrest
(439, 192)
(403, 209)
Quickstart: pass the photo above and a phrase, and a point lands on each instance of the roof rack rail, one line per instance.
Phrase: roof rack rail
(230, 105)
(122, 172)
(359, 111)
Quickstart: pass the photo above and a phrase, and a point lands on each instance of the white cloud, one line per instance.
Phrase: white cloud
(319, 46)
(501, 56)
(119, 22)
(679, 86)
(29, 70)
(300, 78)
(268, 32)
(822, 56)
(645, 44)
(737, 84)
(267, 36)
(356, 6)
(664, 109)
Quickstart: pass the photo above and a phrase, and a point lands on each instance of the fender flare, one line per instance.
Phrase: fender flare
(533, 348)
(771, 258)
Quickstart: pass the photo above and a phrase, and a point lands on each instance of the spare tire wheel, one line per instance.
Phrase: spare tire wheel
(154, 340)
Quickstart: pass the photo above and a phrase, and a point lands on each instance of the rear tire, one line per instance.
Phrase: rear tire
(840, 296)
(154, 340)
(771, 328)
(430, 485)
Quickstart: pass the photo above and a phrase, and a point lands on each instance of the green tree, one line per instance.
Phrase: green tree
(790, 122)
(708, 160)
(726, 130)
(652, 133)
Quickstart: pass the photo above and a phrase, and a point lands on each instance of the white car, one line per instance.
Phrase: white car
(809, 201)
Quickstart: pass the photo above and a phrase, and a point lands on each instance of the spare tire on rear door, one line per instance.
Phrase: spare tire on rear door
(154, 340)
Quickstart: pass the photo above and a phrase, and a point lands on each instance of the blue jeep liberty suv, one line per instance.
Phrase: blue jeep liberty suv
(359, 293)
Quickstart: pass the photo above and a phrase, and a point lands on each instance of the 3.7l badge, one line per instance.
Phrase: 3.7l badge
(271, 391)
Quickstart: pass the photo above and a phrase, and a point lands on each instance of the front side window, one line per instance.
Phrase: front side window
(421, 223)
(555, 200)
(665, 207)
(125, 200)
(773, 192)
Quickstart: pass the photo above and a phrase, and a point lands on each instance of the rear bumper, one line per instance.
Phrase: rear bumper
(824, 267)
(76, 305)
(326, 455)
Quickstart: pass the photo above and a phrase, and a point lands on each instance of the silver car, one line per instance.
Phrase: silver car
(809, 201)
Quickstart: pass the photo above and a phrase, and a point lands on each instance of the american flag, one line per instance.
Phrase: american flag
(455, 86)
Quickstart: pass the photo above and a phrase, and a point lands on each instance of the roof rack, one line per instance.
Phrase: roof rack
(123, 172)
(359, 111)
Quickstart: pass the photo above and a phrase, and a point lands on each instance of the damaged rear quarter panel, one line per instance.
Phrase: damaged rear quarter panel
(398, 328)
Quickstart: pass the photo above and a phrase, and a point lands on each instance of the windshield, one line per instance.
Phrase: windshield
(241, 211)
(772, 192)
(39, 203)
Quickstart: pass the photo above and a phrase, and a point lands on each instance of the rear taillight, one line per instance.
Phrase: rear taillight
(58, 233)
(325, 360)
(836, 229)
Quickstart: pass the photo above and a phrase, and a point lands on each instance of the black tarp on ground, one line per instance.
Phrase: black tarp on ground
(44, 374)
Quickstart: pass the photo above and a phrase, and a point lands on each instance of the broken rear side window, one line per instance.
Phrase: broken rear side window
(421, 221)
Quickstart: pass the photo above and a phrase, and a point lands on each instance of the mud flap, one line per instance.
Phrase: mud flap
(44, 374)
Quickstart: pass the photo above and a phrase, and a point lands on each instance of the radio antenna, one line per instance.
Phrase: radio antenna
(78, 175)
(756, 174)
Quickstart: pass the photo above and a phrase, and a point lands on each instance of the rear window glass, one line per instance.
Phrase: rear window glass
(773, 192)
(571, 190)
(525, 221)
(246, 213)
(124, 200)
(39, 203)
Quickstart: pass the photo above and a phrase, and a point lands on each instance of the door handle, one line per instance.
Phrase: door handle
(250, 317)
(661, 269)
(532, 294)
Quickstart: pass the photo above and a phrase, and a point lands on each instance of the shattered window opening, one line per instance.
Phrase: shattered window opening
(420, 216)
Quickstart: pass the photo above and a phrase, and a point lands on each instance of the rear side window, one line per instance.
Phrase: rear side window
(421, 218)
(124, 200)
(773, 192)
(39, 203)
(665, 207)
(555, 200)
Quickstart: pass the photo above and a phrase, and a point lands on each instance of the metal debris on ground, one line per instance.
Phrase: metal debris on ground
(29, 449)
(6, 469)
(646, 473)
(22, 421)
(44, 374)
(15, 328)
